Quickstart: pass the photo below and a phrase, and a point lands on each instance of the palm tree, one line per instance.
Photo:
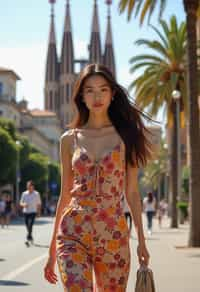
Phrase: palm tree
(191, 7)
(164, 71)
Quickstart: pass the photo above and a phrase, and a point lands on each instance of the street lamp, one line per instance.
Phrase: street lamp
(17, 172)
(176, 96)
(176, 180)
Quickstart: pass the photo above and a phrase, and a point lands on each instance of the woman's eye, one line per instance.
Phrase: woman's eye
(88, 91)
(104, 89)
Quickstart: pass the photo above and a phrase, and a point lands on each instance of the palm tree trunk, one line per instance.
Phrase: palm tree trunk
(174, 169)
(194, 128)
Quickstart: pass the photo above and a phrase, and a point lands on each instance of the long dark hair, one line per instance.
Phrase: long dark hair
(123, 113)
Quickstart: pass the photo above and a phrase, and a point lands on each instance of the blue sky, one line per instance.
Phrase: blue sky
(24, 29)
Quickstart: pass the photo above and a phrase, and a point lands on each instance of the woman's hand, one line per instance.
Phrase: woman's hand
(143, 255)
(49, 270)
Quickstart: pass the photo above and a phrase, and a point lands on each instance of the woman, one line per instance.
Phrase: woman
(100, 155)
(149, 204)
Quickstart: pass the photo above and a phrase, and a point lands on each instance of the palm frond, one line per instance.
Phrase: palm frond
(142, 7)
(151, 9)
(157, 46)
(161, 36)
(147, 57)
(146, 7)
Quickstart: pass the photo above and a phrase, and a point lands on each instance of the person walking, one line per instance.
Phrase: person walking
(31, 203)
(127, 214)
(149, 207)
(100, 152)
(2, 211)
(161, 212)
(8, 208)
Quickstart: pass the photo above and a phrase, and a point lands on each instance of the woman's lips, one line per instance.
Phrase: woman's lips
(97, 104)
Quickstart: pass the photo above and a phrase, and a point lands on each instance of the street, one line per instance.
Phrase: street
(176, 268)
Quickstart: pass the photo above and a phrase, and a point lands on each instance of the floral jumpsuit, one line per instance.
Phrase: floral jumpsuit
(93, 234)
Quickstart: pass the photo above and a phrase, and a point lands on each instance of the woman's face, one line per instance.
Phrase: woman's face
(97, 94)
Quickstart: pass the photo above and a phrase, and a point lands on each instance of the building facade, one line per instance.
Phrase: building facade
(42, 127)
(8, 80)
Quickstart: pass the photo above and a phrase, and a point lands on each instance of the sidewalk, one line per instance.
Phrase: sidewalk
(176, 267)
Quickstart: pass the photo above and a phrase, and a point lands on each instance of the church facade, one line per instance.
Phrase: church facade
(60, 71)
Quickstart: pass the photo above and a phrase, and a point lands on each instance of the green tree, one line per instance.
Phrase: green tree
(164, 70)
(54, 177)
(185, 180)
(25, 150)
(192, 8)
(9, 127)
(8, 154)
(35, 169)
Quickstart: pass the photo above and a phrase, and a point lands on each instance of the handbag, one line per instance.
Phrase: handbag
(144, 280)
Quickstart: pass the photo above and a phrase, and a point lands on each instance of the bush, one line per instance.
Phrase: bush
(183, 207)
(8, 157)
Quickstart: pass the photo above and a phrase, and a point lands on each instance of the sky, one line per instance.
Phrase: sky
(24, 30)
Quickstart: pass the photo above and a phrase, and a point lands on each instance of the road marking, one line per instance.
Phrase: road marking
(15, 273)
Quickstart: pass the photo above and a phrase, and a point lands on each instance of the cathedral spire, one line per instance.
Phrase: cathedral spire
(67, 54)
(67, 27)
(52, 72)
(95, 40)
(52, 38)
(66, 69)
(108, 58)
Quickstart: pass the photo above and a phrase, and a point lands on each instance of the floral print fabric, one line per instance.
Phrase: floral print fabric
(93, 235)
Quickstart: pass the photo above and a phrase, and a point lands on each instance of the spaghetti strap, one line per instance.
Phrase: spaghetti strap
(75, 139)
(121, 149)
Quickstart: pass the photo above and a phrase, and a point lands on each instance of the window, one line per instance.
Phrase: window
(1, 88)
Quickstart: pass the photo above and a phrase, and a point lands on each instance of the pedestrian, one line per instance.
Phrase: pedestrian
(127, 214)
(100, 155)
(8, 208)
(2, 211)
(31, 204)
(161, 211)
(149, 207)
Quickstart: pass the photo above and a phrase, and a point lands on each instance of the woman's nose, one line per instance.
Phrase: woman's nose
(97, 95)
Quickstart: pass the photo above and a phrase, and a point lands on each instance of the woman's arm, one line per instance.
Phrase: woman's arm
(66, 186)
(64, 199)
(134, 202)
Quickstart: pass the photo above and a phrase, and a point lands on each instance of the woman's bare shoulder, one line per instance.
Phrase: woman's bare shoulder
(67, 135)
(66, 138)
